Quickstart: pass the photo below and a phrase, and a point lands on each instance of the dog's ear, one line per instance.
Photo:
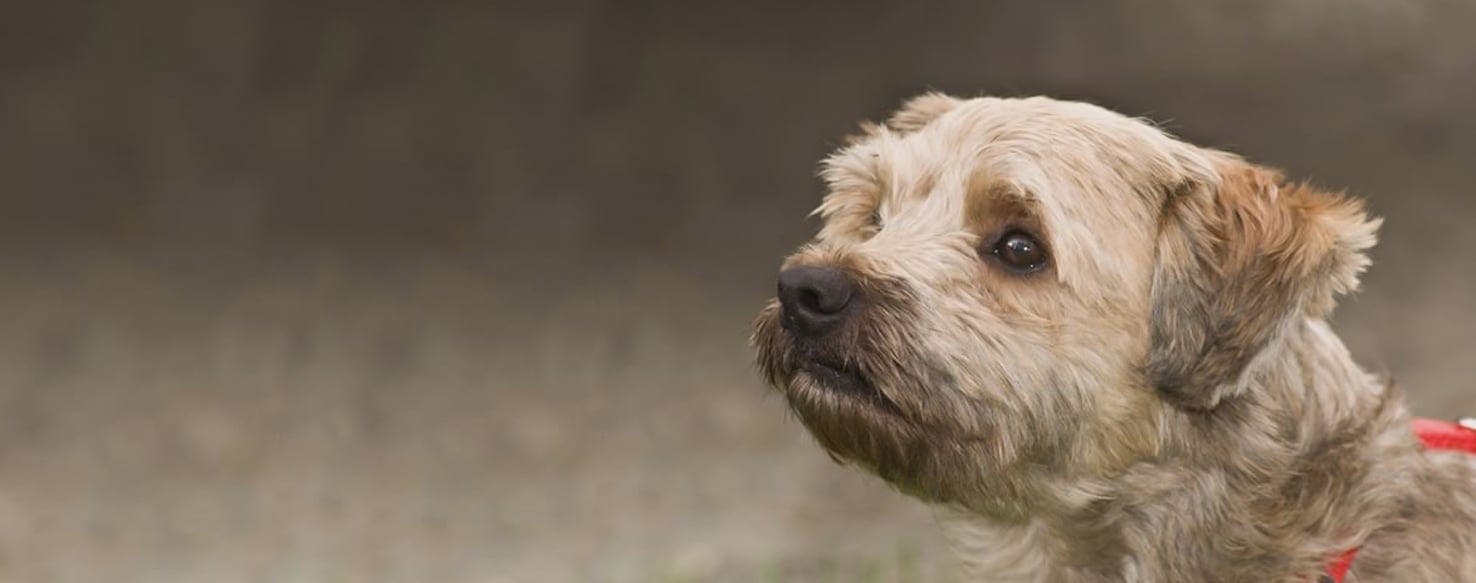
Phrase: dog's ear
(1241, 255)
(921, 110)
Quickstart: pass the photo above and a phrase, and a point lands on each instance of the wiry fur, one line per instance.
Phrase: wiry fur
(1163, 402)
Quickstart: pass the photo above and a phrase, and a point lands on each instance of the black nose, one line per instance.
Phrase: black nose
(814, 298)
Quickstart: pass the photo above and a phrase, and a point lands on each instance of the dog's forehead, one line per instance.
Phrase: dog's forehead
(1059, 151)
(1046, 141)
(1063, 158)
(1094, 179)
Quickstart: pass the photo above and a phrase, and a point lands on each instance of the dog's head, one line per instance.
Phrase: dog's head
(1006, 288)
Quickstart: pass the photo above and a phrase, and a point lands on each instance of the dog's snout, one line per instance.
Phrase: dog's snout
(814, 298)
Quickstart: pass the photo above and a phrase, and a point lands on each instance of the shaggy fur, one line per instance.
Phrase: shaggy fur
(1162, 402)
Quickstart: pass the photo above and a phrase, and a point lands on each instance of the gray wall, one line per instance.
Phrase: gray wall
(329, 290)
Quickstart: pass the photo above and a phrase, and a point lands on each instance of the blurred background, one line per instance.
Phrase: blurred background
(320, 290)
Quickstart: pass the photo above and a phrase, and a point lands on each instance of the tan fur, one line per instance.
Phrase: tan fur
(1162, 402)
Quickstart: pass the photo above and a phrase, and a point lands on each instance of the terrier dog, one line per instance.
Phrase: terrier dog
(1102, 353)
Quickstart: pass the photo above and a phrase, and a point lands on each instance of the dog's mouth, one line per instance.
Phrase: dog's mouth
(842, 379)
(834, 374)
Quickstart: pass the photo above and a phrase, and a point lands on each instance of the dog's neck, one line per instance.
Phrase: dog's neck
(1270, 482)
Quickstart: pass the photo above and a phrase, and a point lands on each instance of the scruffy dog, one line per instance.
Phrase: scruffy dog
(1102, 353)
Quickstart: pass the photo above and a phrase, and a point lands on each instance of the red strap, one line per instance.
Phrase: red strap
(1434, 434)
(1338, 568)
(1445, 435)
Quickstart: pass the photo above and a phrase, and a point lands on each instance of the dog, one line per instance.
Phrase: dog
(1102, 354)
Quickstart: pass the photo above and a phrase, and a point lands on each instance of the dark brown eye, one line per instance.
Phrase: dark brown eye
(1020, 252)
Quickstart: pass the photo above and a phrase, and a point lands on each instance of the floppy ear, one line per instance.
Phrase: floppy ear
(1241, 256)
(921, 110)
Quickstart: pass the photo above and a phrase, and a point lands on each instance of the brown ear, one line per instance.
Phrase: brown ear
(920, 111)
(1240, 257)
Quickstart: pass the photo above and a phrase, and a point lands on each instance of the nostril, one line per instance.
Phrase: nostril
(809, 299)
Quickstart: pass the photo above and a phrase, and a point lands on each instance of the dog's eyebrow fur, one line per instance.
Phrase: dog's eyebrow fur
(992, 204)
(858, 167)
(921, 186)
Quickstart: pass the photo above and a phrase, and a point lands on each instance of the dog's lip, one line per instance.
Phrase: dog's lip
(836, 376)
(829, 370)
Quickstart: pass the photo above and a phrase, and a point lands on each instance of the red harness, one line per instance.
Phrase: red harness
(1443, 435)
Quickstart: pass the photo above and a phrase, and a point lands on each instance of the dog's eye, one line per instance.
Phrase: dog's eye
(1020, 252)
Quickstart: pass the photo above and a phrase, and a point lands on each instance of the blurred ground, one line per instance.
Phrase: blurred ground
(444, 291)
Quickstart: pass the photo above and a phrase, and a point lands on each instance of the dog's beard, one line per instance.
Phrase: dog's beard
(831, 374)
(870, 397)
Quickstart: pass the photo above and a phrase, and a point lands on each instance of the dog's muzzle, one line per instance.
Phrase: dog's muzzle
(820, 311)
